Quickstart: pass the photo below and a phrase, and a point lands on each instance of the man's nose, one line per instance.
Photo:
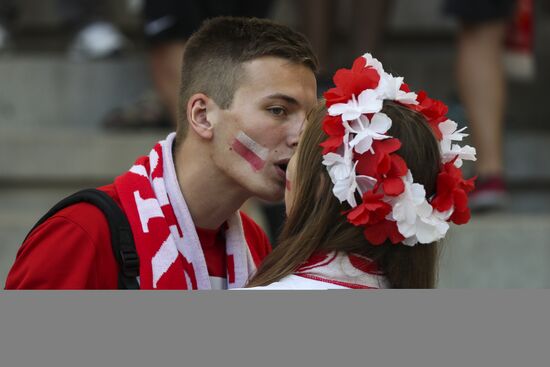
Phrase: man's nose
(294, 133)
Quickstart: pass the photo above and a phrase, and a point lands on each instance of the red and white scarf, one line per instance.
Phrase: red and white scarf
(167, 243)
(342, 269)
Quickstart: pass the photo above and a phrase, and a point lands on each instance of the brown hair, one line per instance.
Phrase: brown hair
(213, 56)
(315, 221)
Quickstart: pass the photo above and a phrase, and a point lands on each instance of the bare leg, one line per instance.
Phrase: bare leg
(166, 72)
(482, 89)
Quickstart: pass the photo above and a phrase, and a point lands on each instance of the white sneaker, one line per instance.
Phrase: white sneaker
(97, 40)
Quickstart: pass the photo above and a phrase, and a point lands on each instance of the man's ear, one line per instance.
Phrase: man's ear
(197, 116)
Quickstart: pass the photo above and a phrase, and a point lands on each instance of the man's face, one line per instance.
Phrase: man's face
(256, 136)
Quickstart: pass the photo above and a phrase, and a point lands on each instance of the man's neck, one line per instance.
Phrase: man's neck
(210, 195)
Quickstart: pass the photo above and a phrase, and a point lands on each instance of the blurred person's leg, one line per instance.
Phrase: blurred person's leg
(482, 89)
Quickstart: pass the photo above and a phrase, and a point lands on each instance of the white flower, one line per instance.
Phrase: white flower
(368, 131)
(415, 217)
(429, 229)
(449, 132)
(342, 174)
(395, 92)
(367, 102)
(344, 189)
(373, 62)
(339, 167)
(450, 151)
(389, 88)
(346, 182)
(407, 205)
(462, 153)
(365, 183)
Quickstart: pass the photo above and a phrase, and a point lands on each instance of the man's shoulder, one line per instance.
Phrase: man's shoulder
(85, 217)
(111, 191)
(88, 216)
(69, 250)
(296, 282)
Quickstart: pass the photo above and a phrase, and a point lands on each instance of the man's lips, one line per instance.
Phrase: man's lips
(281, 166)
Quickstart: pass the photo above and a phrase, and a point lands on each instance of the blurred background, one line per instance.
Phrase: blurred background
(88, 86)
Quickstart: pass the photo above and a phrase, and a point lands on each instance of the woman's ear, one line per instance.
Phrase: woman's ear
(197, 117)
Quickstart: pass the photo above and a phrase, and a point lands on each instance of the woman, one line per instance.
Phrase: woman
(371, 189)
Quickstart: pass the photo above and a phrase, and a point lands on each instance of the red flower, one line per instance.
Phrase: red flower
(332, 144)
(333, 127)
(405, 88)
(374, 165)
(435, 111)
(452, 192)
(372, 210)
(392, 184)
(352, 82)
(380, 232)
(386, 167)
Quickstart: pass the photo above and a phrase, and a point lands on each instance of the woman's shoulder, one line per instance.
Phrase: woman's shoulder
(297, 282)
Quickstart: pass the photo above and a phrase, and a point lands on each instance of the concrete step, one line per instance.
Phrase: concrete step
(38, 155)
(56, 155)
(498, 251)
(507, 250)
(48, 90)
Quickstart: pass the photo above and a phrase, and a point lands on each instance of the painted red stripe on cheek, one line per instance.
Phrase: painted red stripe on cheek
(252, 158)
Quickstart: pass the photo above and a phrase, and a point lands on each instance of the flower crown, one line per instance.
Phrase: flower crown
(361, 159)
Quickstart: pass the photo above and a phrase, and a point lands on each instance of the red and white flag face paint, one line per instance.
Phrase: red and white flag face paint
(254, 153)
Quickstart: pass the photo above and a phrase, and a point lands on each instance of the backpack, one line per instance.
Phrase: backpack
(122, 239)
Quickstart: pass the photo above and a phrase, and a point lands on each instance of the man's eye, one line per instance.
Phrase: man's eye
(277, 111)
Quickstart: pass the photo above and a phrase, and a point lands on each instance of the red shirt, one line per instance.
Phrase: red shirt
(213, 247)
(72, 250)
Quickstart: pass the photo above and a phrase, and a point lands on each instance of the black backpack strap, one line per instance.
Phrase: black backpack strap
(122, 239)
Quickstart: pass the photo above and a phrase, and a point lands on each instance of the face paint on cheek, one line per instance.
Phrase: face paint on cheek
(254, 153)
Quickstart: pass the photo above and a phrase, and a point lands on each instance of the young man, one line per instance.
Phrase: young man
(248, 85)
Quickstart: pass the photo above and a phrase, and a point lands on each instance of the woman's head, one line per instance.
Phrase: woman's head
(315, 220)
(376, 171)
(419, 149)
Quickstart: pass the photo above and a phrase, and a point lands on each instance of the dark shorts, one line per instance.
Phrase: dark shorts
(475, 11)
(169, 20)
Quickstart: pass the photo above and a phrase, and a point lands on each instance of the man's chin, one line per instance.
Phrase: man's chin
(274, 196)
